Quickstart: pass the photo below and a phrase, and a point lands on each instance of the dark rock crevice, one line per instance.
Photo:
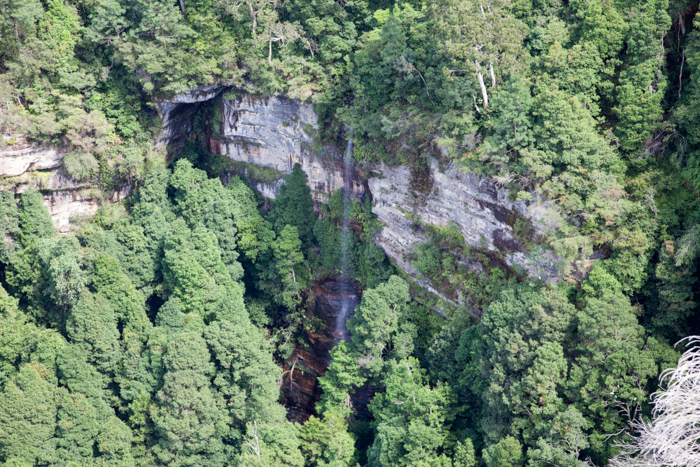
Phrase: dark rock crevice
(311, 358)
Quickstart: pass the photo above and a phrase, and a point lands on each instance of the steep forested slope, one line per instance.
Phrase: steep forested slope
(156, 334)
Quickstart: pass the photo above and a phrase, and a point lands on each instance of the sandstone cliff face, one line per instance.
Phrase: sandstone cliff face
(26, 167)
(277, 132)
(268, 131)
(471, 204)
(21, 157)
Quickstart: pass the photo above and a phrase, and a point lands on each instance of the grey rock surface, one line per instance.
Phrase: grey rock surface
(67, 206)
(20, 158)
(276, 132)
(269, 190)
(470, 203)
(25, 167)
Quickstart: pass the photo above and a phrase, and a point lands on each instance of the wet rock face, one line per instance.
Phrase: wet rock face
(310, 360)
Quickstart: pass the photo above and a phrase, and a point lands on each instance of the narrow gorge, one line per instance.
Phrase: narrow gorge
(274, 133)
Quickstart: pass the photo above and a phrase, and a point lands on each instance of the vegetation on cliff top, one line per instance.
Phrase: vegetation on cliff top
(154, 335)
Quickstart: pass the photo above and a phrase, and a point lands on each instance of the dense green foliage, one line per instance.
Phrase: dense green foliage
(119, 380)
(140, 340)
(155, 335)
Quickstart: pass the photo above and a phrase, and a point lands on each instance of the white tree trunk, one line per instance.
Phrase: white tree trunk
(483, 88)
(493, 76)
(253, 15)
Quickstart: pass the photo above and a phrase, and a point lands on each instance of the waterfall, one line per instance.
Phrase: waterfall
(345, 240)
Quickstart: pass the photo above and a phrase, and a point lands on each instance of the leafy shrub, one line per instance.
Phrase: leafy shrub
(80, 165)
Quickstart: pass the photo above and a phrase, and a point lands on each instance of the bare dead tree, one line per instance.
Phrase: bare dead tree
(504, 178)
(255, 7)
(672, 437)
(289, 372)
(480, 77)
(281, 32)
(680, 74)
(253, 441)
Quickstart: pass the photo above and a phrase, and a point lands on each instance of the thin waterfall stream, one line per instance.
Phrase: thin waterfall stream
(341, 329)
(333, 302)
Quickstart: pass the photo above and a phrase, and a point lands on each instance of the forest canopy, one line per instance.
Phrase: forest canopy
(163, 331)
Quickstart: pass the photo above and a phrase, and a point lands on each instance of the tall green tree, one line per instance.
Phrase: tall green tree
(34, 219)
(485, 42)
(326, 442)
(92, 326)
(188, 413)
(15, 330)
(28, 408)
(199, 199)
(246, 373)
(614, 360)
(9, 224)
(340, 380)
(409, 418)
(289, 275)
(194, 273)
(110, 282)
(379, 327)
(515, 362)
(294, 206)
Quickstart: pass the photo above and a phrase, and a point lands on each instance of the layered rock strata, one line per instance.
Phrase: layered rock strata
(25, 167)
(276, 132)
(471, 204)
(20, 157)
(269, 131)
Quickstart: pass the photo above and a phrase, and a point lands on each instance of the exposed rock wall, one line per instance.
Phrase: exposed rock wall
(21, 157)
(24, 167)
(472, 204)
(277, 132)
(269, 190)
(66, 206)
(269, 131)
